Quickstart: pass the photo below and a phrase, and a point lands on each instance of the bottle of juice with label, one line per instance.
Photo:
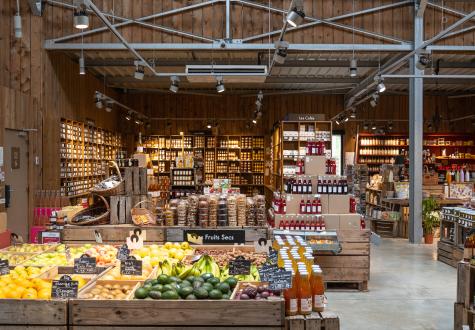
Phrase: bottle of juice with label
(305, 292)
(291, 297)
(318, 289)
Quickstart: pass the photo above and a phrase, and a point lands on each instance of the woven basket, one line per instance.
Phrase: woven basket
(117, 190)
(101, 219)
(142, 216)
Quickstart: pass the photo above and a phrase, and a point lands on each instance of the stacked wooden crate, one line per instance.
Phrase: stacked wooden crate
(463, 307)
(135, 192)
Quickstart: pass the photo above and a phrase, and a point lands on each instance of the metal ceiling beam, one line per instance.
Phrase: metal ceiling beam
(330, 21)
(139, 21)
(453, 12)
(51, 45)
(269, 81)
(421, 8)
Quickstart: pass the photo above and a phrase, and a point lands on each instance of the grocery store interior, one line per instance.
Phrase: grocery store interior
(245, 164)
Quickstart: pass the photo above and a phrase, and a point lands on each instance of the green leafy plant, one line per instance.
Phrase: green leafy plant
(430, 215)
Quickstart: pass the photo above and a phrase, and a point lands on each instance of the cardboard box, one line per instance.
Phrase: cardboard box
(324, 198)
(3, 222)
(315, 165)
(350, 221)
(339, 204)
(332, 221)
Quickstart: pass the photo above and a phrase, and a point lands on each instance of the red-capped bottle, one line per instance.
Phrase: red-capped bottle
(323, 226)
(319, 205)
(304, 187)
(309, 186)
(314, 206)
(308, 207)
(302, 207)
(292, 225)
(299, 186)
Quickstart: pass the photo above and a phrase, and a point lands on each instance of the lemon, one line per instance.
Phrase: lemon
(44, 294)
(29, 294)
(168, 245)
(185, 246)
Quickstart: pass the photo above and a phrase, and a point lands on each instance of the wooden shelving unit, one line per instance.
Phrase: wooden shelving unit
(293, 136)
(237, 157)
(84, 154)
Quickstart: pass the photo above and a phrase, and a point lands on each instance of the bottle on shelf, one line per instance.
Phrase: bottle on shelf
(302, 207)
(318, 289)
(308, 207)
(319, 185)
(291, 297)
(304, 187)
(304, 291)
(309, 186)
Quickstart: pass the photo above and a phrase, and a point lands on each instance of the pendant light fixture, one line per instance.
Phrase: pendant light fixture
(174, 86)
(220, 84)
(80, 17)
(296, 15)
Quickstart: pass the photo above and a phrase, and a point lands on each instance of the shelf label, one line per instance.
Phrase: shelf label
(240, 266)
(85, 265)
(218, 236)
(64, 288)
(131, 266)
(4, 267)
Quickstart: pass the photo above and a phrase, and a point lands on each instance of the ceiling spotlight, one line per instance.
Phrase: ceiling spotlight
(280, 51)
(17, 25)
(80, 18)
(365, 126)
(98, 100)
(139, 70)
(353, 113)
(128, 116)
(295, 16)
(390, 126)
(338, 121)
(254, 121)
(380, 87)
(108, 106)
(345, 119)
(353, 68)
(260, 96)
(219, 84)
(374, 100)
(174, 85)
(208, 125)
(82, 66)
(423, 59)
(373, 126)
(138, 122)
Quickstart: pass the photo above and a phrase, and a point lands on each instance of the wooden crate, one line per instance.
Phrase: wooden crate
(315, 321)
(120, 210)
(177, 313)
(133, 284)
(352, 264)
(448, 253)
(135, 181)
(23, 312)
(112, 234)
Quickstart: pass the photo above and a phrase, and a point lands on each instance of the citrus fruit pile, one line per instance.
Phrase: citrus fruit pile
(21, 284)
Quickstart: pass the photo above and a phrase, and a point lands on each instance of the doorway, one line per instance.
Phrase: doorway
(16, 180)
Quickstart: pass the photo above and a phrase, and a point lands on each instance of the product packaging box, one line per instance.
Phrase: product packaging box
(339, 204)
(332, 221)
(315, 165)
(350, 221)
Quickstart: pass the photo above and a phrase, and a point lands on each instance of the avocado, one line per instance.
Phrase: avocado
(224, 287)
(170, 295)
(215, 294)
(206, 276)
(207, 286)
(156, 287)
(191, 297)
(155, 294)
(200, 293)
(226, 296)
(232, 282)
(185, 283)
(154, 281)
(191, 279)
(148, 282)
(174, 279)
(162, 279)
(168, 287)
(141, 293)
(197, 283)
(184, 292)
(213, 281)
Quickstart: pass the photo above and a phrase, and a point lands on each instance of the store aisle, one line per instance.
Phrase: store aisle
(409, 289)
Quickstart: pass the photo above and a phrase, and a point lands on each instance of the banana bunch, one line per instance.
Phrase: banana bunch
(164, 267)
(177, 269)
(205, 264)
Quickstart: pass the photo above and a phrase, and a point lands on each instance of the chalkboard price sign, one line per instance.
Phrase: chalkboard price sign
(272, 257)
(131, 266)
(280, 279)
(4, 267)
(85, 265)
(265, 270)
(239, 266)
(64, 288)
(123, 253)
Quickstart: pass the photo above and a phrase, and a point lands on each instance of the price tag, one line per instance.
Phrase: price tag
(280, 279)
(265, 270)
(262, 245)
(131, 266)
(85, 265)
(4, 267)
(272, 257)
(123, 253)
(64, 288)
(240, 266)
(98, 237)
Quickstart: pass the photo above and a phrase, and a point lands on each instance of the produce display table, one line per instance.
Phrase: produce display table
(116, 234)
(352, 264)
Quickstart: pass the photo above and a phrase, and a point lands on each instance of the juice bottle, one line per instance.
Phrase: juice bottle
(291, 298)
(304, 292)
(318, 289)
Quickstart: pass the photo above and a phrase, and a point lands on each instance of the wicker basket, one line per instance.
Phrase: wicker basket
(142, 216)
(101, 219)
(117, 190)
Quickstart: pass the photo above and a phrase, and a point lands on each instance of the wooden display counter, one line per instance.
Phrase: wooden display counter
(463, 307)
(352, 264)
(116, 234)
(19, 314)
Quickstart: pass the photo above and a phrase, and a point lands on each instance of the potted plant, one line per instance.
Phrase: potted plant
(430, 219)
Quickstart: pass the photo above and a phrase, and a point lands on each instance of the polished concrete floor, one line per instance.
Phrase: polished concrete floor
(408, 289)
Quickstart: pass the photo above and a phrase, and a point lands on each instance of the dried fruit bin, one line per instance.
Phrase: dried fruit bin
(178, 313)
